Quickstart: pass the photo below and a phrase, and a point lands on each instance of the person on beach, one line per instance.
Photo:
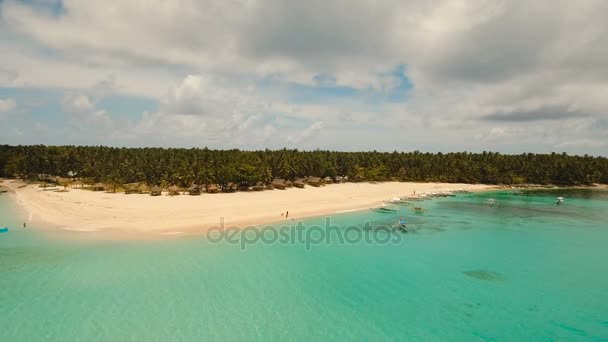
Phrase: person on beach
(24, 225)
(287, 214)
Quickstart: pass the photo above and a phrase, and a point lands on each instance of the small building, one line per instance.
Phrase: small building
(314, 181)
(131, 188)
(46, 178)
(259, 186)
(98, 187)
(77, 184)
(156, 191)
(299, 183)
(288, 184)
(278, 183)
(230, 187)
(212, 188)
(173, 190)
(194, 190)
(143, 188)
(328, 180)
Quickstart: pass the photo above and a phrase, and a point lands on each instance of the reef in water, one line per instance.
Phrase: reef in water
(484, 275)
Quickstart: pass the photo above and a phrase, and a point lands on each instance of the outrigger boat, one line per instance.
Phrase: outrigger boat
(384, 210)
(418, 210)
(491, 202)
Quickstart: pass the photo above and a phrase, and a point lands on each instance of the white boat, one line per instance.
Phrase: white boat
(491, 202)
(559, 200)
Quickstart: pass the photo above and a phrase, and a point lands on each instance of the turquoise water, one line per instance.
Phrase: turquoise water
(526, 269)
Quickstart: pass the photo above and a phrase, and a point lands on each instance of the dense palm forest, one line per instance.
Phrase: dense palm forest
(182, 167)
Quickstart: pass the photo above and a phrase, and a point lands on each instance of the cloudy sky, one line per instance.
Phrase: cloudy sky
(446, 75)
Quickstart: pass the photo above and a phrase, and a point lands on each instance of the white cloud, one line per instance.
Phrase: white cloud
(7, 105)
(480, 69)
(307, 133)
(77, 103)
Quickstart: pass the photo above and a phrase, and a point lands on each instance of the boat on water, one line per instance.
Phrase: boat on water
(4, 230)
(491, 202)
(559, 200)
(401, 225)
(517, 192)
(418, 210)
(384, 210)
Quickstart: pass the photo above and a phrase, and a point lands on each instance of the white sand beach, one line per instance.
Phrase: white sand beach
(83, 210)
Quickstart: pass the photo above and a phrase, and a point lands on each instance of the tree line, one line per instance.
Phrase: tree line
(183, 167)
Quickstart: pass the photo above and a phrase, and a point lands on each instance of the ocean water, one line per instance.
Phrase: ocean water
(523, 270)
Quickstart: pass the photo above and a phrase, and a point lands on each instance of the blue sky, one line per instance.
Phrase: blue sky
(442, 76)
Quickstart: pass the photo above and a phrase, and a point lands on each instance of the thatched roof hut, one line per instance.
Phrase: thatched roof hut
(98, 187)
(156, 191)
(43, 177)
(194, 190)
(77, 184)
(230, 187)
(278, 183)
(132, 188)
(173, 190)
(64, 182)
(259, 186)
(143, 188)
(314, 181)
(212, 188)
(288, 184)
(299, 183)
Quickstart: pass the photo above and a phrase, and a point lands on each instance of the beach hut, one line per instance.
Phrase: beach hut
(173, 190)
(98, 187)
(288, 184)
(156, 191)
(299, 183)
(230, 187)
(314, 181)
(43, 177)
(259, 186)
(341, 179)
(77, 184)
(328, 180)
(143, 188)
(212, 188)
(194, 190)
(131, 188)
(278, 183)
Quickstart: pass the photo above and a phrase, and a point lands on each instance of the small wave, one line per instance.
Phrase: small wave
(79, 229)
(350, 210)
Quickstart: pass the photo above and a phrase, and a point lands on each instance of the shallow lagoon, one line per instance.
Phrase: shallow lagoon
(525, 269)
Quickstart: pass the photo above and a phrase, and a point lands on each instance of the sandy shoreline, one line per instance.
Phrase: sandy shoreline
(88, 211)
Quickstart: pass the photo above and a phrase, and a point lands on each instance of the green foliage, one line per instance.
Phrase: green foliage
(182, 167)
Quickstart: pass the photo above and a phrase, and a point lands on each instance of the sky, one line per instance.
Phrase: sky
(439, 76)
